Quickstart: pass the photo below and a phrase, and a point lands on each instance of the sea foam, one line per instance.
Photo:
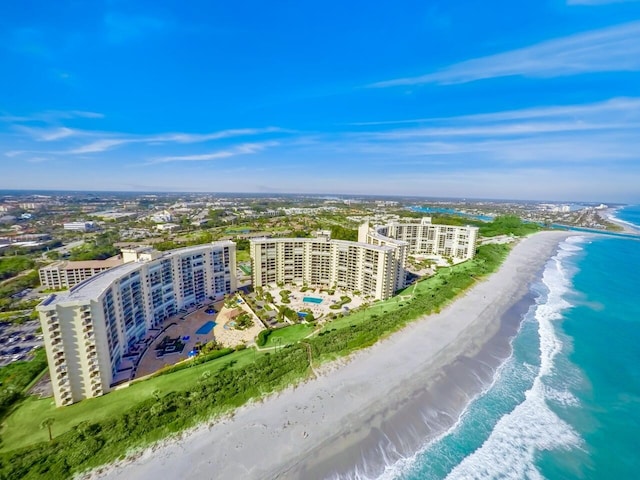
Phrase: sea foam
(510, 449)
(532, 427)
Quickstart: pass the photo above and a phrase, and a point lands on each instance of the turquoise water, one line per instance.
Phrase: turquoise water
(312, 300)
(206, 328)
(566, 404)
(630, 215)
(450, 211)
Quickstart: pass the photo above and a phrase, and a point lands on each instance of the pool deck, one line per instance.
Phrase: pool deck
(319, 309)
(187, 327)
(230, 337)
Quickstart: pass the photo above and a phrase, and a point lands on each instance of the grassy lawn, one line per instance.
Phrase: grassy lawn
(14, 313)
(242, 256)
(23, 426)
(288, 335)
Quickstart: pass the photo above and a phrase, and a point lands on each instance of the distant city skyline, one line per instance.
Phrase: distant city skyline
(527, 100)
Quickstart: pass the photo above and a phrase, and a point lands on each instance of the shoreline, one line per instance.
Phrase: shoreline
(627, 227)
(321, 428)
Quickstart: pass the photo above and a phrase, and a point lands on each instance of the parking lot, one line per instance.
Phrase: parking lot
(17, 341)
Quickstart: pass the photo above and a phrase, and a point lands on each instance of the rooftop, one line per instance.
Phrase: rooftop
(320, 240)
(69, 265)
(93, 287)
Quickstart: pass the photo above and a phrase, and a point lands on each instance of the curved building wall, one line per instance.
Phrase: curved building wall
(429, 239)
(88, 329)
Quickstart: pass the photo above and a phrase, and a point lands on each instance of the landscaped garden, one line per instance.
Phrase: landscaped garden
(343, 301)
(169, 345)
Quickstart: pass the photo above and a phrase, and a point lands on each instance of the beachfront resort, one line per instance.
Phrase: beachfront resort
(158, 308)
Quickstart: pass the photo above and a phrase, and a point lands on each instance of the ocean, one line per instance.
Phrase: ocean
(566, 403)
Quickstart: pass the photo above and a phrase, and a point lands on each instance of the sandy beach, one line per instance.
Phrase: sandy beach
(610, 215)
(375, 407)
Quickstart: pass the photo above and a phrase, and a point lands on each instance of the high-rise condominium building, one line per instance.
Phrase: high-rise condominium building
(89, 329)
(369, 269)
(374, 265)
(426, 238)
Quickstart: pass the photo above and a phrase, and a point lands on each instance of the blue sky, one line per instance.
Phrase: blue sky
(500, 99)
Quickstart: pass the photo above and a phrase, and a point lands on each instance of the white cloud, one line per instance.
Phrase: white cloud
(98, 146)
(49, 134)
(51, 116)
(613, 49)
(243, 149)
(205, 137)
(113, 140)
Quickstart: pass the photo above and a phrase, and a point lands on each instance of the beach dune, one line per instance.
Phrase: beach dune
(372, 409)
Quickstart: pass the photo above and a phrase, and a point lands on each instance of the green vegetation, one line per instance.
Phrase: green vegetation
(100, 430)
(244, 321)
(14, 287)
(208, 353)
(284, 296)
(263, 336)
(18, 316)
(343, 301)
(100, 248)
(286, 312)
(508, 225)
(12, 266)
(287, 335)
(99, 440)
(339, 232)
(16, 377)
(197, 238)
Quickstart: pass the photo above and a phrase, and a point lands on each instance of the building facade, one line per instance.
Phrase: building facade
(66, 274)
(80, 226)
(426, 238)
(368, 269)
(374, 265)
(89, 329)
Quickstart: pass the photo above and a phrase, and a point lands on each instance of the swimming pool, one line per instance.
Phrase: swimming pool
(312, 299)
(206, 328)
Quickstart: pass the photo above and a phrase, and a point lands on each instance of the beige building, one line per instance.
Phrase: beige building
(425, 238)
(374, 265)
(354, 266)
(89, 329)
(66, 274)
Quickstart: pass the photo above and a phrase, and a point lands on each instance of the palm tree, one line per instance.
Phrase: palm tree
(47, 422)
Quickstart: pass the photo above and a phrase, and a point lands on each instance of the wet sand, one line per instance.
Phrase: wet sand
(381, 402)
